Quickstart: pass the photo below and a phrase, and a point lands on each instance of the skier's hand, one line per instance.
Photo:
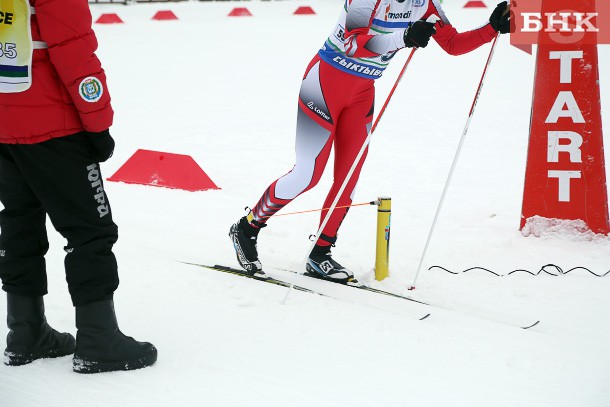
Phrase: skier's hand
(102, 145)
(418, 34)
(500, 18)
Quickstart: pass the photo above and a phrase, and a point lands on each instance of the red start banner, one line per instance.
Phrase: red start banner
(565, 175)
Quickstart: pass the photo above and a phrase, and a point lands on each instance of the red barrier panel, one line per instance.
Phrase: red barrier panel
(161, 169)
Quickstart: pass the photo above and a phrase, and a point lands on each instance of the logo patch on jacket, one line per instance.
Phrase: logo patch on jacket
(91, 89)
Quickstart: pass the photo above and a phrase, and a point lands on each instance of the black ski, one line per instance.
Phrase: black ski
(364, 287)
(242, 273)
(282, 283)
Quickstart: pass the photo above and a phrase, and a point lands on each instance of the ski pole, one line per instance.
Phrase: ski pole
(455, 159)
(402, 72)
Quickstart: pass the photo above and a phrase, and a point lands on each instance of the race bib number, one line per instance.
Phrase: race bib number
(15, 46)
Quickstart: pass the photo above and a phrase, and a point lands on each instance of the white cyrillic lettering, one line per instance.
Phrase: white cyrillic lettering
(587, 21)
(531, 22)
(551, 22)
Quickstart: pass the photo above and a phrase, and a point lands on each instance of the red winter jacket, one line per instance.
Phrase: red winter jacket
(54, 106)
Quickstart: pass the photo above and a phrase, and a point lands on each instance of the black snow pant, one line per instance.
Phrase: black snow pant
(60, 179)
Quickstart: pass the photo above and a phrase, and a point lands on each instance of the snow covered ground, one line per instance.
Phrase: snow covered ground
(224, 90)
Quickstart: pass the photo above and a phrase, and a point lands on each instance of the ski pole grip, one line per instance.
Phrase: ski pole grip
(433, 19)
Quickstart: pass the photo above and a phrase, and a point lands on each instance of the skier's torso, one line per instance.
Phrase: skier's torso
(373, 17)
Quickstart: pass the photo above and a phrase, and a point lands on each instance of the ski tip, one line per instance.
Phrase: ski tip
(530, 326)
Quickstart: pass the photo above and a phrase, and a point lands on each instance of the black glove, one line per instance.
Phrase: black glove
(102, 145)
(500, 21)
(418, 34)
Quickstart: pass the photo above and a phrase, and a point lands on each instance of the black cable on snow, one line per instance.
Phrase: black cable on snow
(550, 269)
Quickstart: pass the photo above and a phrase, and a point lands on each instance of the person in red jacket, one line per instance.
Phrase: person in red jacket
(54, 132)
(336, 104)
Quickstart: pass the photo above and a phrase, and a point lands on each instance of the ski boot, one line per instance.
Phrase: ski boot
(244, 236)
(320, 264)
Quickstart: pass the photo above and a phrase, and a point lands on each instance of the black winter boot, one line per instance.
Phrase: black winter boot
(102, 347)
(30, 337)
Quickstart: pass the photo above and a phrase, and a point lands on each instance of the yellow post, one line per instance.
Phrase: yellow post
(382, 255)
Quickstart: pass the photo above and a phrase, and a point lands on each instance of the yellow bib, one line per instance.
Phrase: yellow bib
(15, 46)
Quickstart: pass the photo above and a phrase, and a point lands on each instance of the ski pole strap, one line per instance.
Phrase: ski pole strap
(325, 238)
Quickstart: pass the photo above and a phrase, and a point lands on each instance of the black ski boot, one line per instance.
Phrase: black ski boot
(30, 337)
(102, 347)
(244, 236)
(320, 264)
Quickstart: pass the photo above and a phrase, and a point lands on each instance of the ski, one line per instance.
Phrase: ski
(363, 287)
(275, 280)
(528, 325)
(282, 283)
(242, 273)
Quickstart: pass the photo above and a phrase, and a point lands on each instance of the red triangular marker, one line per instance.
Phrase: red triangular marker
(109, 18)
(304, 10)
(240, 12)
(164, 15)
(475, 4)
(161, 169)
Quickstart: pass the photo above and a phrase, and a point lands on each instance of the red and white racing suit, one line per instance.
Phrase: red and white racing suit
(337, 95)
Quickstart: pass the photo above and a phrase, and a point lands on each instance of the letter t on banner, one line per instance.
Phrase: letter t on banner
(565, 176)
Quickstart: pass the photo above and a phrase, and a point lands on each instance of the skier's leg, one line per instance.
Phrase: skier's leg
(352, 131)
(313, 145)
(314, 137)
(319, 105)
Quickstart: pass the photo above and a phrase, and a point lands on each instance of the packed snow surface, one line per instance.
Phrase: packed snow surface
(224, 91)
